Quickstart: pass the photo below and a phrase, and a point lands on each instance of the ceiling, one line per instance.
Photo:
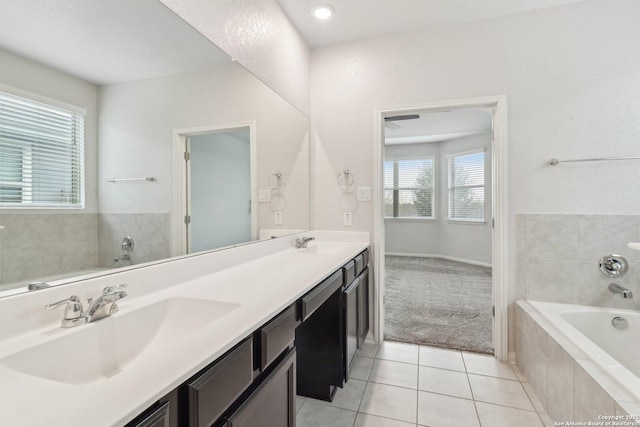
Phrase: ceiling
(360, 19)
(105, 41)
(438, 126)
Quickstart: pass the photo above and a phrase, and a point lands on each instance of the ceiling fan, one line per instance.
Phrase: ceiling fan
(389, 121)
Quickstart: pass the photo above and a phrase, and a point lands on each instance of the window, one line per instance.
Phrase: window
(466, 187)
(408, 188)
(41, 154)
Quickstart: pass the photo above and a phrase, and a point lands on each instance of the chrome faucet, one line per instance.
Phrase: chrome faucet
(123, 257)
(103, 306)
(106, 304)
(73, 313)
(617, 289)
(301, 242)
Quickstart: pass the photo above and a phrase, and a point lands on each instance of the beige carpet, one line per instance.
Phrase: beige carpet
(437, 302)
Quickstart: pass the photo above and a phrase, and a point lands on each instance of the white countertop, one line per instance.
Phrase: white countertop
(261, 287)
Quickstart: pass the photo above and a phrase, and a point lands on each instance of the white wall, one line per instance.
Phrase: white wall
(468, 241)
(464, 241)
(572, 78)
(410, 236)
(23, 74)
(259, 36)
(138, 119)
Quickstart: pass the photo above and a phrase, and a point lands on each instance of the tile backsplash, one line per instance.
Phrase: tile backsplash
(558, 258)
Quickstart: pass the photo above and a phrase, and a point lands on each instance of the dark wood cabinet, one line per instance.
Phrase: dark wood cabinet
(307, 348)
(273, 402)
(363, 307)
(162, 414)
(214, 389)
(275, 337)
(351, 324)
(319, 341)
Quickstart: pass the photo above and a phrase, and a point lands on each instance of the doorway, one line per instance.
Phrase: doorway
(437, 199)
(216, 186)
(422, 182)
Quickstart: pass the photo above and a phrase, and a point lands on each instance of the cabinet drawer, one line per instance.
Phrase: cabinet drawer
(359, 262)
(349, 272)
(318, 295)
(157, 417)
(215, 389)
(276, 336)
(365, 256)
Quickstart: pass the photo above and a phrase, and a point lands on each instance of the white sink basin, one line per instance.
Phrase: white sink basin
(100, 350)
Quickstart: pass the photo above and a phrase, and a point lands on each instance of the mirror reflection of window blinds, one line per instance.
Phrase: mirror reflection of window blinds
(466, 186)
(408, 188)
(41, 154)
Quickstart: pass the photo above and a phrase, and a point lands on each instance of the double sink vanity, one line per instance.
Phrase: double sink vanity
(222, 338)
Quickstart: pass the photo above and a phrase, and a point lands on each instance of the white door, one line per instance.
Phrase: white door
(219, 189)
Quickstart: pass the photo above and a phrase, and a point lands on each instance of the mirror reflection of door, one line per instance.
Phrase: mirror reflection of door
(219, 189)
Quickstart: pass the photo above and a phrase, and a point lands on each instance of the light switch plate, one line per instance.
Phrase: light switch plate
(347, 219)
(277, 218)
(364, 194)
(264, 195)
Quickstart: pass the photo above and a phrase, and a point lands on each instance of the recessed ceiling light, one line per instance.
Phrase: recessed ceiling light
(323, 11)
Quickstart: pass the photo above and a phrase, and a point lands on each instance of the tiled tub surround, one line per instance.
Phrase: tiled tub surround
(44, 245)
(557, 258)
(51, 246)
(150, 232)
(262, 279)
(570, 383)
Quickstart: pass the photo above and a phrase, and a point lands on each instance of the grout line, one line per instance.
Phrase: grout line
(418, 388)
(446, 395)
(506, 406)
(493, 376)
(475, 405)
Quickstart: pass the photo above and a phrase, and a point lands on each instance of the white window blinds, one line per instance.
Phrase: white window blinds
(466, 187)
(41, 154)
(408, 188)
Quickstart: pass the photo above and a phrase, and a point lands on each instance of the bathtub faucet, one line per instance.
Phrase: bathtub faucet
(617, 289)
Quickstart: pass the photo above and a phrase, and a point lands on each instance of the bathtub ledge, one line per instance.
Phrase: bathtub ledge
(594, 392)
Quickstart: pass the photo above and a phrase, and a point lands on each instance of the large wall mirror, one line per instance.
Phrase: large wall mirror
(127, 137)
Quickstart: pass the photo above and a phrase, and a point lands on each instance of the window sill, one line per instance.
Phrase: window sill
(411, 219)
(466, 221)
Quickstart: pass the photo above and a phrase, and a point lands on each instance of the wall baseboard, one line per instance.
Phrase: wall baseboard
(449, 258)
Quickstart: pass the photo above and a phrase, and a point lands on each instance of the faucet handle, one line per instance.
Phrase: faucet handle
(54, 305)
(110, 289)
(73, 314)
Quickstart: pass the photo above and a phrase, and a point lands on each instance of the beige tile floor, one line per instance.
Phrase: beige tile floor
(397, 384)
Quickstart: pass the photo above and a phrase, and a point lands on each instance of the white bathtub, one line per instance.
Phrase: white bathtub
(615, 351)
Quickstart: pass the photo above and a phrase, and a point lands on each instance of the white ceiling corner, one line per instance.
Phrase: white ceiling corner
(361, 19)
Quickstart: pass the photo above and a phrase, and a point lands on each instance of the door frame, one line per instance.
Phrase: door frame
(499, 240)
(181, 183)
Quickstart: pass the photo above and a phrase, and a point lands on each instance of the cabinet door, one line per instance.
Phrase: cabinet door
(351, 324)
(273, 403)
(320, 349)
(363, 307)
(158, 417)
